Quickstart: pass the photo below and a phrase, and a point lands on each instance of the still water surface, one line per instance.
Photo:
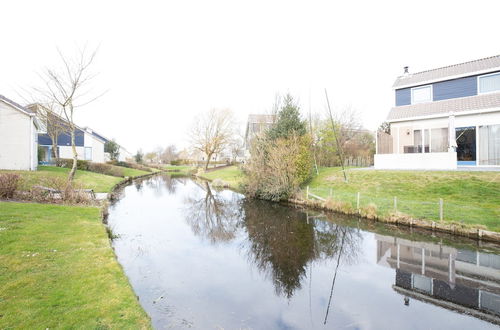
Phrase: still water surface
(205, 259)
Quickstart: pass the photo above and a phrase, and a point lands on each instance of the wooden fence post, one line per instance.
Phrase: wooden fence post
(441, 209)
(395, 204)
(331, 192)
(307, 192)
(357, 201)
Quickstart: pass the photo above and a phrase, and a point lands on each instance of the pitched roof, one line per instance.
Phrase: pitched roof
(261, 118)
(448, 72)
(16, 106)
(444, 107)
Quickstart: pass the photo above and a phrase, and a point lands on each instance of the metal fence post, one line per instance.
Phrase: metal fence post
(441, 209)
(395, 203)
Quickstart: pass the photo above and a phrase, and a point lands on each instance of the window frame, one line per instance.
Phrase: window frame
(422, 87)
(479, 84)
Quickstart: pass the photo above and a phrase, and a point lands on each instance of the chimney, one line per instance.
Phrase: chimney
(406, 70)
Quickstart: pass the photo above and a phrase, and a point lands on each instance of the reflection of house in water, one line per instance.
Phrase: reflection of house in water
(462, 280)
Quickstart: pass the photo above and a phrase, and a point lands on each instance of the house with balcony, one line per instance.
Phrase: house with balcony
(444, 118)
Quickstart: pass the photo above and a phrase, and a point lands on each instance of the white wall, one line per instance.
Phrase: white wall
(421, 161)
(18, 147)
(97, 150)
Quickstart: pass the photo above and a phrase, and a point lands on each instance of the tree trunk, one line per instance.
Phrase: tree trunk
(75, 156)
(55, 155)
(208, 161)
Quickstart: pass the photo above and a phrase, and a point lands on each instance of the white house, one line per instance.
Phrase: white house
(444, 118)
(256, 124)
(18, 137)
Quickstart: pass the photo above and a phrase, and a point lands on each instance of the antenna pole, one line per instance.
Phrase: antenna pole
(339, 149)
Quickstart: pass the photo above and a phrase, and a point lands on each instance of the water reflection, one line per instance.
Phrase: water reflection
(457, 279)
(213, 259)
(212, 215)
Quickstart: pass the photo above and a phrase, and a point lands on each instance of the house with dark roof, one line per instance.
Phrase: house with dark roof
(18, 136)
(89, 144)
(444, 118)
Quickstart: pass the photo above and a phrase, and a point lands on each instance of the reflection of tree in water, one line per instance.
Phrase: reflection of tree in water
(283, 242)
(213, 216)
(157, 182)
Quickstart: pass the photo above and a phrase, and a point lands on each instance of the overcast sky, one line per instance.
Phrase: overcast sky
(165, 61)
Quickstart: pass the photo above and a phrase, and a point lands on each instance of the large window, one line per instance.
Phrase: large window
(489, 145)
(489, 83)
(439, 140)
(421, 94)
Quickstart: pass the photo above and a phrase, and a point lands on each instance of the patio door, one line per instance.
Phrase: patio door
(466, 145)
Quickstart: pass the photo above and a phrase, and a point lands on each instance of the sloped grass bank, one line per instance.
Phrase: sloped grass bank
(232, 175)
(57, 270)
(88, 180)
(470, 198)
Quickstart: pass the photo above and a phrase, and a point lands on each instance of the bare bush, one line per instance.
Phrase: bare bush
(9, 182)
(277, 168)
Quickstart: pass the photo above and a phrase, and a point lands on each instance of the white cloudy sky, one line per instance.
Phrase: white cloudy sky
(165, 61)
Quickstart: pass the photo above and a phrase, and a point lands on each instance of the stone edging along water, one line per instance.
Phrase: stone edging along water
(406, 220)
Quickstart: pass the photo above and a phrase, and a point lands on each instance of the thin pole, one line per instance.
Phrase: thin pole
(334, 277)
(339, 150)
(312, 136)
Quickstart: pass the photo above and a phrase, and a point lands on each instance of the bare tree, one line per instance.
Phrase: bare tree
(169, 154)
(49, 114)
(67, 88)
(212, 132)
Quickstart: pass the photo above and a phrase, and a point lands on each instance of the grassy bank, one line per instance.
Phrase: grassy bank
(231, 175)
(88, 180)
(179, 169)
(57, 270)
(468, 197)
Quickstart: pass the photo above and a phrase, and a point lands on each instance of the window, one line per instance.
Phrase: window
(439, 140)
(88, 153)
(421, 94)
(489, 83)
(489, 145)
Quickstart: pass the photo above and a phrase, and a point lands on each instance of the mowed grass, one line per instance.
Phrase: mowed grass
(132, 172)
(57, 270)
(184, 169)
(88, 180)
(232, 175)
(468, 197)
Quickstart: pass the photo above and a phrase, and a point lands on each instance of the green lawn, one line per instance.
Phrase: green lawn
(57, 270)
(132, 172)
(469, 197)
(232, 175)
(184, 169)
(89, 180)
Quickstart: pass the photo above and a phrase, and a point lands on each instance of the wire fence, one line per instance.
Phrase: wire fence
(436, 210)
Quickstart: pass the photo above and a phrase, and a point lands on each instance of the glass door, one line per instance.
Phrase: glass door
(466, 145)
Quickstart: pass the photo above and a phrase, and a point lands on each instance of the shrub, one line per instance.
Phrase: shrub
(278, 167)
(219, 183)
(106, 169)
(130, 165)
(82, 165)
(9, 182)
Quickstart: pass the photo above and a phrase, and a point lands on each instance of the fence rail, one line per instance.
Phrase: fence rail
(436, 210)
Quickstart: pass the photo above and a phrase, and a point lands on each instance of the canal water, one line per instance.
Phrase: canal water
(206, 259)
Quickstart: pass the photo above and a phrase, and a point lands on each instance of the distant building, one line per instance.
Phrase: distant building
(256, 125)
(444, 118)
(18, 136)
